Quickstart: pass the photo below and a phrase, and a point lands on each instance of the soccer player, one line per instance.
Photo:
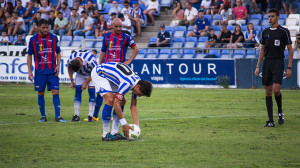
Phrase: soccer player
(274, 39)
(114, 49)
(110, 78)
(44, 46)
(82, 62)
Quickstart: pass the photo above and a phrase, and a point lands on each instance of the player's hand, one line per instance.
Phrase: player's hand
(84, 85)
(30, 76)
(288, 73)
(73, 85)
(125, 129)
(126, 62)
(256, 71)
(57, 70)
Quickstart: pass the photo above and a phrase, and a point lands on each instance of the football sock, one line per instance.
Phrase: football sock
(106, 116)
(99, 100)
(269, 104)
(116, 123)
(91, 101)
(41, 103)
(77, 99)
(279, 102)
(56, 103)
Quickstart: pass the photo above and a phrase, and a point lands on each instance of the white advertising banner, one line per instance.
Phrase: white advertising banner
(14, 69)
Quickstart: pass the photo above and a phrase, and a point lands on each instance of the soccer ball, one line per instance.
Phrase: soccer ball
(134, 134)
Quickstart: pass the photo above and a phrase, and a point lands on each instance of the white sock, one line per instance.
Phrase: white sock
(77, 107)
(91, 108)
(115, 125)
(106, 127)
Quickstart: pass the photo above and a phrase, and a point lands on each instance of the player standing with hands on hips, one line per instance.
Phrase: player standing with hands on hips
(273, 42)
(47, 57)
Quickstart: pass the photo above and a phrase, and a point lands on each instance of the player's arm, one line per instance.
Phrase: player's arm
(134, 54)
(288, 72)
(117, 107)
(260, 57)
(58, 57)
(70, 71)
(102, 55)
(29, 64)
(134, 110)
(86, 83)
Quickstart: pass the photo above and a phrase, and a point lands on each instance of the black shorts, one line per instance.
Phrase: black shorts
(272, 71)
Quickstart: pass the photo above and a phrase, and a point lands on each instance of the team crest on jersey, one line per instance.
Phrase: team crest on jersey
(120, 96)
(41, 47)
(277, 42)
(110, 44)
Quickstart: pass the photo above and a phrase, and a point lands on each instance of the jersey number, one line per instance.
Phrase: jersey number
(125, 69)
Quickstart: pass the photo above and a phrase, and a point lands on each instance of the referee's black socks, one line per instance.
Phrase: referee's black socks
(279, 102)
(269, 104)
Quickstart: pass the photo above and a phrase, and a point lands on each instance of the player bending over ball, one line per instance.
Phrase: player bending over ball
(112, 81)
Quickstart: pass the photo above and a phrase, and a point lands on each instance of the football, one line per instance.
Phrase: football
(135, 133)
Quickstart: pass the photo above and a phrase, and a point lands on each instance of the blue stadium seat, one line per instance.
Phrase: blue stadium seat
(231, 28)
(143, 6)
(77, 41)
(178, 42)
(141, 54)
(282, 16)
(202, 39)
(98, 44)
(188, 53)
(239, 53)
(201, 45)
(226, 54)
(180, 31)
(208, 17)
(214, 52)
(106, 17)
(106, 7)
(166, 3)
(89, 44)
(152, 40)
(157, 13)
(100, 38)
(244, 28)
(266, 16)
(66, 38)
(190, 29)
(265, 22)
(164, 53)
(78, 38)
(256, 16)
(215, 18)
(251, 54)
(190, 42)
(217, 28)
(171, 30)
(175, 55)
(255, 21)
(200, 55)
(90, 37)
(152, 53)
(281, 21)
(65, 41)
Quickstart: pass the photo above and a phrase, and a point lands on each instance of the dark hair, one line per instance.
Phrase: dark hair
(145, 87)
(65, 3)
(179, 4)
(73, 9)
(211, 29)
(75, 65)
(126, 2)
(59, 13)
(15, 12)
(43, 21)
(83, 12)
(95, 51)
(120, 15)
(274, 11)
(41, 13)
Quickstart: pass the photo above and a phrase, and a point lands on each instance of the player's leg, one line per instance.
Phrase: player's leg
(40, 85)
(278, 69)
(79, 79)
(267, 81)
(116, 124)
(53, 85)
(92, 98)
(98, 104)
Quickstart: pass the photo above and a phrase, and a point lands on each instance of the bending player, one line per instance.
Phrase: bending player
(82, 62)
(111, 78)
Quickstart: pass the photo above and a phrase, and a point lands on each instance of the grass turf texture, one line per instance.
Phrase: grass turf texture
(179, 128)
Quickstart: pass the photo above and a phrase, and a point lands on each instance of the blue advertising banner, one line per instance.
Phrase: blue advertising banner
(184, 71)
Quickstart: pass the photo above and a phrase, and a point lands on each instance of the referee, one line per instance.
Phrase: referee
(273, 42)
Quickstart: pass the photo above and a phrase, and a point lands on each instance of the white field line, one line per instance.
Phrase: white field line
(149, 119)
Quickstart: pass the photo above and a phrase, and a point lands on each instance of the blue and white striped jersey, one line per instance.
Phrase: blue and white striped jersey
(88, 59)
(119, 74)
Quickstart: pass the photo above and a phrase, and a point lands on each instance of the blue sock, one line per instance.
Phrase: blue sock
(77, 99)
(56, 103)
(41, 103)
(91, 94)
(99, 101)
(115, 114)
(106, 112)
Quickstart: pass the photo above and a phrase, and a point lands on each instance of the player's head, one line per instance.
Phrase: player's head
(44, 27)
(75, 65)
(143, 88)
(273, 16)
(117, 26)
(94, 52)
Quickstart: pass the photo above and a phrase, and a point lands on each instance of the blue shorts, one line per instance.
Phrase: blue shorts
(41, 80)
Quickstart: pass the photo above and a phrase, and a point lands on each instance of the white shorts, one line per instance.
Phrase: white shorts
(79, 79)
(103, 85)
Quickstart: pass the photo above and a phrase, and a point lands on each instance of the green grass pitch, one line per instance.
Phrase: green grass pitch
(179, 128)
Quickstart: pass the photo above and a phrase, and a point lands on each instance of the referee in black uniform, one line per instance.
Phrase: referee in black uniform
(273, 42)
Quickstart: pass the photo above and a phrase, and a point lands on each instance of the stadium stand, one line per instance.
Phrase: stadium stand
(141, 54)
(188, 53)
(164, 53)
(152, 53)
(180, 31)
(190, 42)
(66, 41)
(239, 53)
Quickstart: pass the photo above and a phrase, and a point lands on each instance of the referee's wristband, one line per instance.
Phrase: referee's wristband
(289, 68)
(123, 121)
